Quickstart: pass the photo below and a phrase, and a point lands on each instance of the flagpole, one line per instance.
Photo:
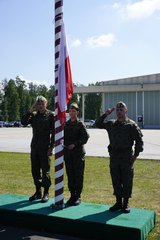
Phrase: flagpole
(59, 133)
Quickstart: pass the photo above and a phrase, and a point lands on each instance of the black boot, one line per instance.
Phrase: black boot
(77, 199)
(126, 207)
(45, 197)
(117, 206)
(37, 195)
(70, 202)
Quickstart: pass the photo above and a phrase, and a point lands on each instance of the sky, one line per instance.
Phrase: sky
(107, 39)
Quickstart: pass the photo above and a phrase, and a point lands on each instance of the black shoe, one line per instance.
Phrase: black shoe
(70, 201)
(73, 201)
(77, 201)
(45, 198)
(36, 196)
(126, 209)
(115, 207)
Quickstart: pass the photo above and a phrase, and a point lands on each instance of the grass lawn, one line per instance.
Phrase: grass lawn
(15, 177)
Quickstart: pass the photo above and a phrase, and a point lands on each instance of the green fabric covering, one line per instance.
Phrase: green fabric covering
(86, 220)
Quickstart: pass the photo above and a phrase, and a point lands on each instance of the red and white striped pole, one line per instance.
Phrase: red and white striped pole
(59, 134)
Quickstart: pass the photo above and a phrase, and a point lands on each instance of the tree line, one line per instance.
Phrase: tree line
(17, 97)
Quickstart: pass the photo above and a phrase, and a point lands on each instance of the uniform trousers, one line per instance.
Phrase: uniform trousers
(40, 168)
(122, 172)
(75, 164)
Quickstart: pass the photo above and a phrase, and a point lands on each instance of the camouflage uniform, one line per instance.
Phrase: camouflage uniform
(122, 136)
(43, 139)
(75, 133)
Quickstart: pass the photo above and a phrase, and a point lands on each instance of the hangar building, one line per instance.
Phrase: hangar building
(141, 95)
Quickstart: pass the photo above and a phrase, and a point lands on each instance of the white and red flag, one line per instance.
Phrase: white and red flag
(65, 84)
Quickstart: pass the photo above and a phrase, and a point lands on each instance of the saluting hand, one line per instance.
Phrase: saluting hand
(109, 111)
(33, 108)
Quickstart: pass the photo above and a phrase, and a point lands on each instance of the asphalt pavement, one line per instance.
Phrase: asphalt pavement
(18, 140)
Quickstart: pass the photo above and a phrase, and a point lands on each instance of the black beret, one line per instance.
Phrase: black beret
(75, 106)
(121, 105)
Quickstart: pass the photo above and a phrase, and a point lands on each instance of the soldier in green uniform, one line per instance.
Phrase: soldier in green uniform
(42, 122)
(75, 136)
(125, 145)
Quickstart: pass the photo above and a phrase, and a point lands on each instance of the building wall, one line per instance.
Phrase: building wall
(141, 94)
(152, 109)
(128, 97)
(143, 107)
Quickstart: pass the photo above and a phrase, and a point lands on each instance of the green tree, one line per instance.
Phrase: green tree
(51, 98)
(73, 99)
(12, 100)
(3, 104)
(22, 92)
(33, 91)
(42, 90)
(17, 97)
(93, 103)
(28, 102)
(4, 108)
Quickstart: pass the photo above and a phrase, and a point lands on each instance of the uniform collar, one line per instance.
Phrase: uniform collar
(125, 120)
(43, 114)
(72, 122)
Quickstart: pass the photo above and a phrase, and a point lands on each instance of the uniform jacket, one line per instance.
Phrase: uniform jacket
(122, 135)
(43, 128)
(75, 133)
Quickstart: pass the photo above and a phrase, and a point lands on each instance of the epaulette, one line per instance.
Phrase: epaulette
(130, 121)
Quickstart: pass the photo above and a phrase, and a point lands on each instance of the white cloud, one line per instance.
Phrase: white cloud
(76, 43)
(139, 9)
(101, 41)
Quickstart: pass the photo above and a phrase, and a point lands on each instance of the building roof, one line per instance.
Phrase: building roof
(144, 79)
(140, 83)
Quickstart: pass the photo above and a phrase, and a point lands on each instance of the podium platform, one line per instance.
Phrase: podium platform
(88, 220)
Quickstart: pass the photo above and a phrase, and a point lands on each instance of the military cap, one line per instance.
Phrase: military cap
(75, 106)
(121, 105)
(41, 99)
